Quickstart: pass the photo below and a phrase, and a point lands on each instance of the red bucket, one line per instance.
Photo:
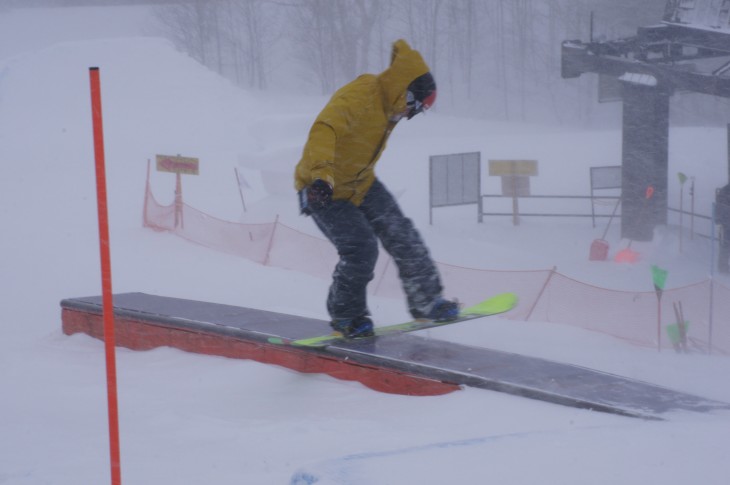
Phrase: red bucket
(599, 250)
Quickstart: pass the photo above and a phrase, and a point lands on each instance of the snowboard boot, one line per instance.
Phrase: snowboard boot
(357, 327)
(440, 310)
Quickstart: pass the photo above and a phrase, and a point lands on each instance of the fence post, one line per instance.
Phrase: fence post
(146, 196)
(271, 241)
(542, 290)
(240, 192)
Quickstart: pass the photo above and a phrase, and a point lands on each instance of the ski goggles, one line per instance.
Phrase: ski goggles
(416, 106)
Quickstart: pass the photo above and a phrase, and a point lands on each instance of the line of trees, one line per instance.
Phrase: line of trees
(497, 59)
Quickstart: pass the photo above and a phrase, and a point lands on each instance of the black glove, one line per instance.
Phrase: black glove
(316, 196)
(319, 194)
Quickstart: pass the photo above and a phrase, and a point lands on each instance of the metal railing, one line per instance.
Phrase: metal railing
(705, 223)
(695, 223)
(565, 212)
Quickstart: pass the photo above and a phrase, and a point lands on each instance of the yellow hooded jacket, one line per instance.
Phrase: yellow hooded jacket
(350, 133)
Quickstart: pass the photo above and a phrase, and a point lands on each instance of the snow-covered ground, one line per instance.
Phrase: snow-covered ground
(192, 419)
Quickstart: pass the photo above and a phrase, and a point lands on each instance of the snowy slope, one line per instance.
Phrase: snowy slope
(190, 419)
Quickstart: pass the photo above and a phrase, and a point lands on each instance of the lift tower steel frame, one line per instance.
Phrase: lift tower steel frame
(688, 52)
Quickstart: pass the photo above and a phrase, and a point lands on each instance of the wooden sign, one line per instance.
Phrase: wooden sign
(516, 185)
(177, 164)
(515, 180)
(513, 167)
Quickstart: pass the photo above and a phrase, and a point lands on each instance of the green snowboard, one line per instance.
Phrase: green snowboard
(492, 306)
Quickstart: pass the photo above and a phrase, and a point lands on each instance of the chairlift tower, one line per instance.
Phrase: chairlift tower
(689, 51)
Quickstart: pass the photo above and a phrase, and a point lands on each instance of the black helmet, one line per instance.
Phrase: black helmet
(421, 94)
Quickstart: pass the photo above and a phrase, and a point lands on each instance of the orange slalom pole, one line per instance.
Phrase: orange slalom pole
(106, 277)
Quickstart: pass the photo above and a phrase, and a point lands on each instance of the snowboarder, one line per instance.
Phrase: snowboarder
(337, 186)
(722, 215)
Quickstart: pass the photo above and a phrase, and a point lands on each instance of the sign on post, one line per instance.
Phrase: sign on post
(515, 180)
(513, 167)
(178, 165)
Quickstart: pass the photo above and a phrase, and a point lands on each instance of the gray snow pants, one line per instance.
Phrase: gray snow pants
(355, 232)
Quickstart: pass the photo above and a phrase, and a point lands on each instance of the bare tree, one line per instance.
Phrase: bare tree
(227, 36)
(423, 26)
(247, 32)
(190, 26)
(312, 34)
(498, 58)
(333, 39)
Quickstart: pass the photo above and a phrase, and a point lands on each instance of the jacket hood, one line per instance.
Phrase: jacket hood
(406, 65)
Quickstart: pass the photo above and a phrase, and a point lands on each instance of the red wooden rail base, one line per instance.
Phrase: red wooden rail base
(140, 335)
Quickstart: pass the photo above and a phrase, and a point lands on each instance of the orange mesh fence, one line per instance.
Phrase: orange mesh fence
(544, 295)
(631, 315)
(251, 241)
(297, 251)
(476, 284)
(156, 216)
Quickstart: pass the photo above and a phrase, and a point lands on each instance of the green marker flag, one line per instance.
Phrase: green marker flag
(660, 277)
(682, 178)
